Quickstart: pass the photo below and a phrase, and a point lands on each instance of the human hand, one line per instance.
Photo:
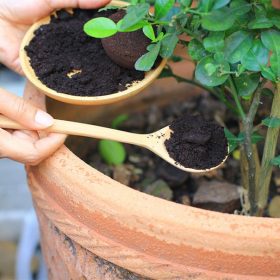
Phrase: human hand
(17, 16)
(26, 146)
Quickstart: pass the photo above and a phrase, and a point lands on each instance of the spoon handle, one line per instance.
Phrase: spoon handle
(87, 130)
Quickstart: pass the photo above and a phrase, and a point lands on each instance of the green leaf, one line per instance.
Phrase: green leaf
(162, 7)
(267, 3)
(149, 32)
(205, 6)
(219, 57)
(146, 61)
(271, 39)
(260, 22)
(112, 152)
(209, 72)
(100, 27)
(247, 84)
(166, 73)
(134, 27)
(168, 44)
(268, 73)
(267, 92)
(271, 122)
(185, 3)
(106, 8)
(275, 64)
(196, 50)
(172, 12)
(233, 141)
(119, 120)
(214, 42)
(135, 13)
(256, 56)
(218, 20)
(176, 58)
(255, 137)
(160, 36)
(237, 45)
(276, 161)
(240, 7)
(220, 3)
(274, 16)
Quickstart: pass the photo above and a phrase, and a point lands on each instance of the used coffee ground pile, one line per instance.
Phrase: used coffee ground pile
(196, 143)
(67, 60)
(125, 48)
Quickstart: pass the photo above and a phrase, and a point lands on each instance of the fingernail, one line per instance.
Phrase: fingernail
(44, 119)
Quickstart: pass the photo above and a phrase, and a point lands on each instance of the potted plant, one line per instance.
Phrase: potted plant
(90, 217)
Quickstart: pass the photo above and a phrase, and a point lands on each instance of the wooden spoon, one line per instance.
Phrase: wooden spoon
(153, 141)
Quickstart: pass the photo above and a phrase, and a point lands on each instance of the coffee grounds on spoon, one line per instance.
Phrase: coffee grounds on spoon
(196, 143)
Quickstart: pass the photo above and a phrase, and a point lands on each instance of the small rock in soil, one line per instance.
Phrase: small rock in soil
(134, 159)
(217, 196)
(174, 176)
(122, 174)
(154, 117)
(274, 207)
(185, 200)
(216, 173)
(160, 189)
(146, 182)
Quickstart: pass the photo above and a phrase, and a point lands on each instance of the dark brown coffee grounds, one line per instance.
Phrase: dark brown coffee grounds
(196, 143)
(62, 48)
(125, 48)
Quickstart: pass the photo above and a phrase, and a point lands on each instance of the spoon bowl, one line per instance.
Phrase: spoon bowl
(153, 141)
(132, 90)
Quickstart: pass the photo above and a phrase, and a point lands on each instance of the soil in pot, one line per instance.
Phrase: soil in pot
(218, 190)
(67, 60)
(146, 172)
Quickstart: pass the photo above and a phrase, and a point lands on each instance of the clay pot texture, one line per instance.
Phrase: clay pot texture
(96, 228)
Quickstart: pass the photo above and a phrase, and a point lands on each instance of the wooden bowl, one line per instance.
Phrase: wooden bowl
(135, 88)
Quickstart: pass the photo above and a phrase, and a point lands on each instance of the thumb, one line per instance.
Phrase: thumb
(23, 112)
(82, 4)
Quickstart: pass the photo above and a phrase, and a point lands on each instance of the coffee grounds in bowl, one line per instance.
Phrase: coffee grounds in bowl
(67, 60)
(196, 143)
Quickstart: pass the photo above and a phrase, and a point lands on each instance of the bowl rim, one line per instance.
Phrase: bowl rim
(29, 72)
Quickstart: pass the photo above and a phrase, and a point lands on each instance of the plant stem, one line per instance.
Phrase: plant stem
(236, 99)
(248, 147)
(268, 154)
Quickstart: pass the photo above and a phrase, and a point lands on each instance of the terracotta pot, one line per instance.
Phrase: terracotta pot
(96, 228)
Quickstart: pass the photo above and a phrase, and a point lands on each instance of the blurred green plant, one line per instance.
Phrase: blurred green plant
(113, 152)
